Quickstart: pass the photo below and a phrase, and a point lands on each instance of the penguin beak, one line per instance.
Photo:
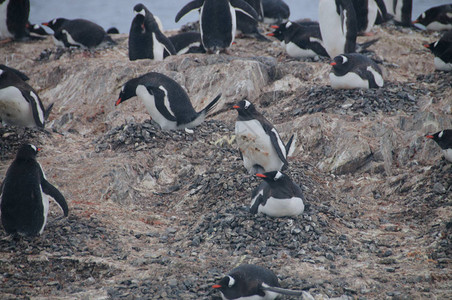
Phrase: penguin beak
(38, 149)
(333, 63)
(271, 34)
(216, 286)
(45, 24)
(236, 107)
(429, 136)
(427, 46)
(415, 21)
(118, 101)
(261, 175)
(275, 26)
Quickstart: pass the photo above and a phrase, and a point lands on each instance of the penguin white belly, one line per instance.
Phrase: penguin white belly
(437, 26)
(58, 43)
(282, 207)
(256, 146)
(14, 108)
(442, 65)
(371, 14)
(45, 204)
(331, 28)
(448, 154)
(234, 22)
(4, 32)
(293, 50)
(268, 296)
(348, 81)
(158, 49)
(149, 103)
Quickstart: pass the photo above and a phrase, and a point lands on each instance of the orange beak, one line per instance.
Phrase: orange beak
(415, 21)
(39, 149)
(271, 34)
(118, 101)
(261, 175)
(216, 286)
(45, 24)
(427, 46)
(429, 136)
(236, 107)
(275, 26)
(333, 63)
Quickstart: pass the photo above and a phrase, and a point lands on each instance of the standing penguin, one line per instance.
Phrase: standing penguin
(19, 103)
(146, 39)
(401, 10)
(251, 282)
(14, 19)
(366, 13)
(442, 50)
(217, 21)
(24, 195)
(444, 139)
(277, 196)
(259, 143)
(353, 70)
(78, 33)
(166, 101)
(337, 20)
(436, 18)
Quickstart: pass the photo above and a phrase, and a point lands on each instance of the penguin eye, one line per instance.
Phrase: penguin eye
(231, 281)
(247, 104)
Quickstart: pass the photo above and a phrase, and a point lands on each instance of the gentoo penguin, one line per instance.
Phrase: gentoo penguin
(24, 195)
(300, 41)
(217, 21)
(22, 75)
(166, 101)
(442, 49)
(401, 10)
(259, 143)
(337, 20)
(37, 29)
(353, 70)
(436, 18)
(19, 103)
(444, 139)
(366, 13)
(146, 39)
(277, 196)
(78, 33)
(187, 42)
(251, 282)
(275, 11)
(14, 19)
(249, 26)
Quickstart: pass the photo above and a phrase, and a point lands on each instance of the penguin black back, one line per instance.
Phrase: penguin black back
(14, 18)
(436, 18)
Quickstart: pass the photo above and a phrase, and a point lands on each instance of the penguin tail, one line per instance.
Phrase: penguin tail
(47, 111)
(211, 105)
(109, 41)
(363, 47)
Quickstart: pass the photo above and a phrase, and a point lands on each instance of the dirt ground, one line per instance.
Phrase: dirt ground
(164, 215)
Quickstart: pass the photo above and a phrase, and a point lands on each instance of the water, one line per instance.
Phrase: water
(119, 13)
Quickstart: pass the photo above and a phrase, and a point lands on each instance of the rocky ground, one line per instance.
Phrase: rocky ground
(164, 215)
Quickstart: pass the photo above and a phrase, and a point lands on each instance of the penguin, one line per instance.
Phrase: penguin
(166, 101)
(24, 195)
(13, 19)
(19, 103)
(366, 14)
(260, 145)
(442, 50)
(353, 70)
(277, 196)
(436, 18)
(217, 21)
(251, 282)
(112, 30)
(401, 10)
(300, 41)
(187, 42)
(275, 11)
(21, 75)
(78, 33)
(36, 29)
(338, 25)
(444, 139)
(146, 39)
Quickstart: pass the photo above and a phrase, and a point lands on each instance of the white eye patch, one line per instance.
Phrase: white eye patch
(231, 281)
(441, 134)
(34, 147)
(141, 12)
(278, 175)
(247, 104)
(344, 59)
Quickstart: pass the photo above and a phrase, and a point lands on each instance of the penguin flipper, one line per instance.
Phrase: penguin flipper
(48, 110)
(289, 148)
(245, 8)
(211, 105)
(36, 105)
(195, 4)
(255, 206)
(159, 96)
(52, 191)
(278, 145)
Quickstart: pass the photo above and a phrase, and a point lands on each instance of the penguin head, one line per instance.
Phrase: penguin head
(340, 62)
(245, 108)
(279, 31)
(229, 287)
(27, 151)
(128, 91)
(272, 176)
(442, 138)
(140, 9)
(55, 24)
(421, 19)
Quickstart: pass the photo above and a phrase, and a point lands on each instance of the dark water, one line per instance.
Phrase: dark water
(118, 13)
